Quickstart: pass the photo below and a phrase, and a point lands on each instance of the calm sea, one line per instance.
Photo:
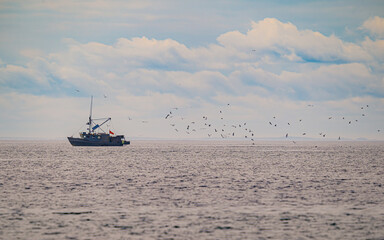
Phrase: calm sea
(192, 190)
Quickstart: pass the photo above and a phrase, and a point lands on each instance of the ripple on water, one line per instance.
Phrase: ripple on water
(192, 190)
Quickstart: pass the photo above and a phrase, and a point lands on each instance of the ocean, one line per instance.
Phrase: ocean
(192, 190)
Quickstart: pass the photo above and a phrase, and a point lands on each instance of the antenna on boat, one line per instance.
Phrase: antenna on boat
(90, 117)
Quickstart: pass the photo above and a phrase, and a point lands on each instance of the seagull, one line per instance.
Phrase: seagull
(77, 90)
(105, 96)
(286, 135)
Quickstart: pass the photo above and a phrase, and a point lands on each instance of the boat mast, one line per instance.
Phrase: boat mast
(90, 117)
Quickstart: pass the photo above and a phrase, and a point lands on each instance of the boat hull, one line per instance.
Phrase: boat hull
(112, 141)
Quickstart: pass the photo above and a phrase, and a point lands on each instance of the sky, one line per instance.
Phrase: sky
(221, 69)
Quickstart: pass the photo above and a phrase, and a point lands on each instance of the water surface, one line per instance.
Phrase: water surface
(192, 190)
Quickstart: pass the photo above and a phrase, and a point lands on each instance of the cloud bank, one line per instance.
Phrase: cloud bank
(273, 61)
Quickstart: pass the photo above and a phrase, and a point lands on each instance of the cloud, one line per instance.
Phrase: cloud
(271, 58)
(270, 36)
(374, 48)
(375, 26)
(273, 65)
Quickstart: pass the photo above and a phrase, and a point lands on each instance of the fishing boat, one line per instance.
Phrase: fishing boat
(96, 136)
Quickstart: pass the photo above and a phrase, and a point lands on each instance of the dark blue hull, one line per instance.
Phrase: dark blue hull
(111, 141)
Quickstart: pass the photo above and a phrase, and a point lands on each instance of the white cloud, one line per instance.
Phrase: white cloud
(145, 77)
(140, 65)
(375, 48)
(375, 26)
(270, 36)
